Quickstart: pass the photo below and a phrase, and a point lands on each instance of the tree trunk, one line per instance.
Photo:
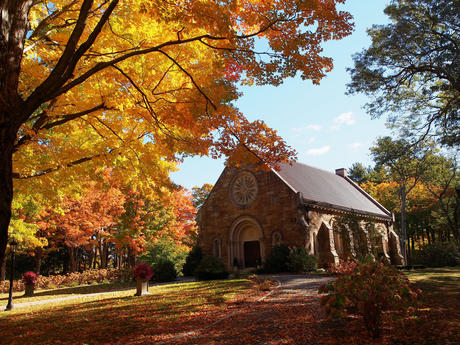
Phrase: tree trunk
(104, 254)
(72, 259)
(131, 258)
(403, 222)
(13, 31)
(38, 260)
(89, 262)
(95, 257)
(3, 271)
(6, 186)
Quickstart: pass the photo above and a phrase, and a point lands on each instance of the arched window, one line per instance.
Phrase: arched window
(217, 248)
(276, 238)
(338, 242)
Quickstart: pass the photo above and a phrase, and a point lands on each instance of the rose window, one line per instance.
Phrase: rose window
(244, 189)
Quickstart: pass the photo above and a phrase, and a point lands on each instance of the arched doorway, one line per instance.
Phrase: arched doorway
(247, 247)
(326, 249)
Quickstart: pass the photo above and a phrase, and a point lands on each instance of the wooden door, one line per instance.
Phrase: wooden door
(251, 253)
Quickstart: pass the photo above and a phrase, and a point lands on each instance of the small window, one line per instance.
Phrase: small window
(276, 238)
(216, 248)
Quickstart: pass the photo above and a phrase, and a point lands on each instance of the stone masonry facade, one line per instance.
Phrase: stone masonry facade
(248, 212)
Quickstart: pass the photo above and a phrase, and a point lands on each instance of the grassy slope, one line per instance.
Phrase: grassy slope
(440, 286)
(113, 316)
(39, 295)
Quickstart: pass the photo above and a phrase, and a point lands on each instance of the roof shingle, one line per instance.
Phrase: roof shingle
(323, 187)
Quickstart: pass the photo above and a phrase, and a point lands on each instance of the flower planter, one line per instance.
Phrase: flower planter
(142, 287)
(29, 291)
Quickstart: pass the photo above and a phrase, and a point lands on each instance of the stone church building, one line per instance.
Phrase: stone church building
(250, 211)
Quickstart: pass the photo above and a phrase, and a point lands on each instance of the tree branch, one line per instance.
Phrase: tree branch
(191, 78)
(38, 126)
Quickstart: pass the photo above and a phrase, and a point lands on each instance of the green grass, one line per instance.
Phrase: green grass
(18, 297)
(439, 285)
(113, 316)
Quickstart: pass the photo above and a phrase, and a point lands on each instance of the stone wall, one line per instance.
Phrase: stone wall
(273, 210)
(278, 215)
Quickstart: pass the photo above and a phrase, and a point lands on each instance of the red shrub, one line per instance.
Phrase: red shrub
(143, 271)
(344, 267)
(86, 277)
(369, 290)
(29, 278)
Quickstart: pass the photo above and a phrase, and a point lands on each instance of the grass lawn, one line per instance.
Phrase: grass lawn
(440, 285)
(118, 317)
(39, 295)
(170, 310)
(440, 319)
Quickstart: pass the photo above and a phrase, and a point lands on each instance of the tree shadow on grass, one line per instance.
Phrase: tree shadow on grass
(79, 290)
(106, 320)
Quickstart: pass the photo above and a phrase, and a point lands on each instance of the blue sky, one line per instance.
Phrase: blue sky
(327, 128)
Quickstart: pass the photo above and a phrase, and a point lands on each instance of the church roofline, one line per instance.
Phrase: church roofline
(387, 215)
(329, 206)
(370, 198)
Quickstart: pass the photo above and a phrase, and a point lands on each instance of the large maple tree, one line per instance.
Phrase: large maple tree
(135, 83)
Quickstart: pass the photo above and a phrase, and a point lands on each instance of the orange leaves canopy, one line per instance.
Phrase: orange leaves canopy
(137, 82)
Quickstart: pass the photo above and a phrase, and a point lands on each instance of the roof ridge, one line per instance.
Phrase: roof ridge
(313, 167)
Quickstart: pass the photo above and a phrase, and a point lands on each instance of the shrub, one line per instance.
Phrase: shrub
(74, 279)
(165, 271)
(277, 260)
(300, 261)
(210, 268)
(369, 290)
(29, 278)
(124, 274)
(165, 249)
(192, 261)
(143, 272)
(344, 267)
(438, 254)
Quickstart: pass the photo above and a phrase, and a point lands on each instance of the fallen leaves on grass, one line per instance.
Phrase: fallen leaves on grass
(288, 316)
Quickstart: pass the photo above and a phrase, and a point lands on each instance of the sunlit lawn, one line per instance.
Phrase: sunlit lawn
(39, 295)
(119, 316)
(171, 310)
(439, 285)
(440, 320)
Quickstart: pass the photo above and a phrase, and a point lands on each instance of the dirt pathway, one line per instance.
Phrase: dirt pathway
(287, 316)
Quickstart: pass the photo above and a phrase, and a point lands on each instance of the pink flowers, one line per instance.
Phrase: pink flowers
(143, 272)
(29, 278)
(71, 279)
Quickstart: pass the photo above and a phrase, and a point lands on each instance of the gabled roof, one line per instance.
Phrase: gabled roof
(323, 188)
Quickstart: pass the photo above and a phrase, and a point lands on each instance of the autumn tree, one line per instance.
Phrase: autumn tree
(87, 221)
(138, 83)
(406, 163)
(411, 71)
(442, 181)
(200, 194)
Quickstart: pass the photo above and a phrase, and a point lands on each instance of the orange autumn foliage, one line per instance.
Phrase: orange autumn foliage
(138, 84)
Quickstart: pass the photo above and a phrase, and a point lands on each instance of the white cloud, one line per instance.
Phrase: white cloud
(355, 145)
(319, 151)
(312, 139)
(307, 127)
(314, 127)
(343, 119)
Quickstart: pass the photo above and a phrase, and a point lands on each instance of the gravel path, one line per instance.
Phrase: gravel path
(268, 321)
(302, 285)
